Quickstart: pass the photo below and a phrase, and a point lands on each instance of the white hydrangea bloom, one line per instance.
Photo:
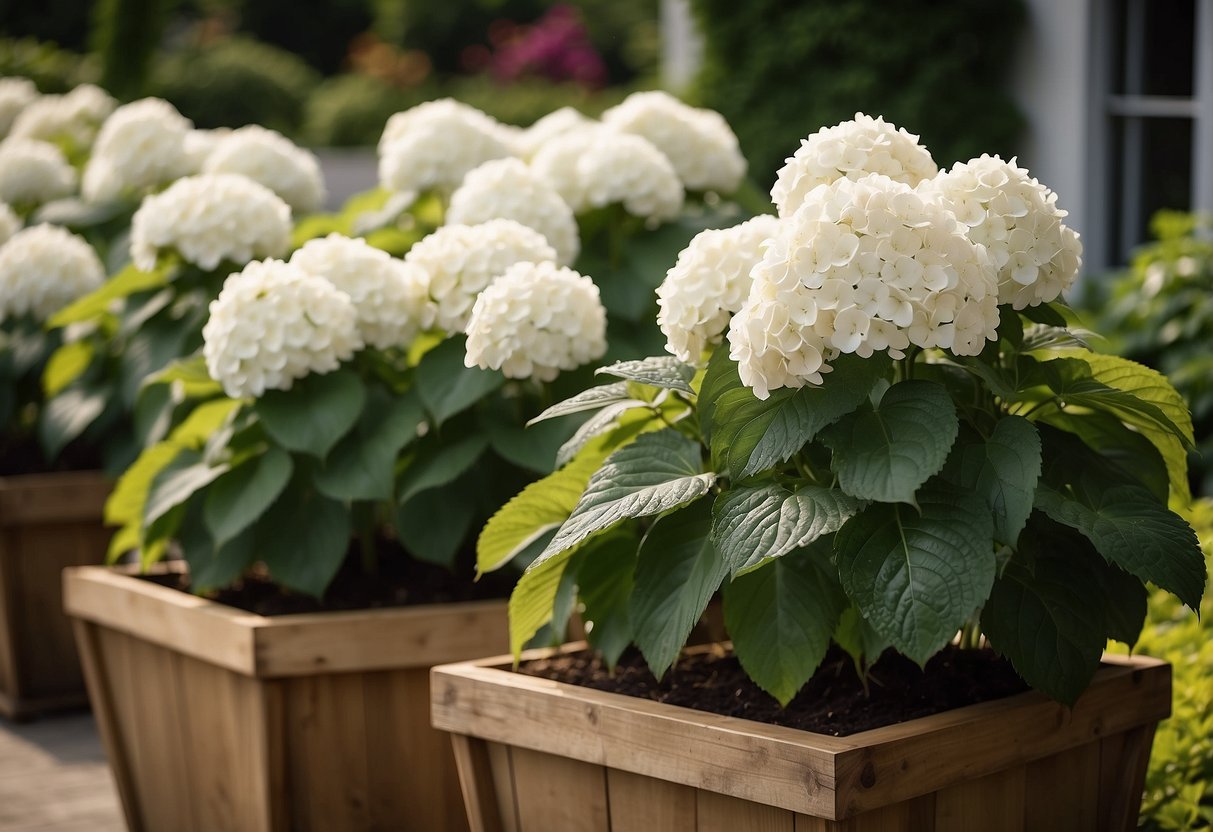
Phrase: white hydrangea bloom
(592, 167)
(15, 95)
(699, 143)
(1017, 219)
(536, 320)
(862, 267)
(75, 117)
(509, 189)
(275, 161)
(555, 123)
(459, 261)
(140, 147)
(388, 294)
(10, 223)
(851, 150)
(44, 268)
(200, 143)
(211, 218)
(33, 172)
(710, 281)
(435, 144)
(274, 323)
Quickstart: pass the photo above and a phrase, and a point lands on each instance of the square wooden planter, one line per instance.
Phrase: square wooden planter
(47, 522)
(536, 755)
(215, 718)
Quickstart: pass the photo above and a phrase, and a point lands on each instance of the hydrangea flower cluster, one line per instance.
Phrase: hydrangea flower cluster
(1017, 219)
(75, 117)
(433, 145)
(33, 172)
(15, 95)
(555, 123)
(389, 295)
(42, 269)
(10, 223)
(274, 323)
(850, 150)
(536, 320)
(140, 147)
(592, 167)
(460, 261)
(508, 189)
(211, 218)
(200, 143)
(699, 143)
(862, 267)
(710, 282)
(275, 161)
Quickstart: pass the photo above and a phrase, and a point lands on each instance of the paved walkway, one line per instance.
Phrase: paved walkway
(54, 778)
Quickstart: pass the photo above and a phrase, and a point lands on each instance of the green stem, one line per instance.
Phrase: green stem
(970, 634)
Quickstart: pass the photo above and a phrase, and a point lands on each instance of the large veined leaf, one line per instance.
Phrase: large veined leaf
(664, 371)
(605, 577)
(535, 448)
(657, 472)
(677, 571)
(433, 525)
(243, 494)
(887, 452)
(534, 597)
(1043, 624)
(752, 525)
(303, 539)
(591, 399)
(1131, 529)
(1119, 446)
(448, 387)
(750, 435)
(362, 466)
(312, 416)
(1003, 470)
(780, 618)
(918, 575)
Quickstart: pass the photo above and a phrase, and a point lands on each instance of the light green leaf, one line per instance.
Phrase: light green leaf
(1133, 530)
(303, 539)
(202, 422)
(1003, 471)
(126, 282)
(533, 598)
(125, 503)
(753, 525)
(187, 375)
(177, 482)
(594, 398)
(448, 387)
(657, 472)
(859, 639)
(886, 453)
(916, 576)
(780, 618)
(362, 466)
(243, 494)
(314, 414)
(677, 571)
(663, 371)
(66, 364)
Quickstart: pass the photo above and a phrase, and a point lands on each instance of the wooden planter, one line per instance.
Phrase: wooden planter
(540, 755)
(47, 522)
(215, 718)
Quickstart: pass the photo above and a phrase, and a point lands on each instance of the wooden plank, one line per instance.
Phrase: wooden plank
(476, 781)
(53, 498)
(907, 816)
(994, 803)
(1124, 758)
(298, 645)
(558, 793)
(503, 785)
(643, 804)
(206, 630)
(720, 813)
(114, 652)
(1063, 791)
(10, 680)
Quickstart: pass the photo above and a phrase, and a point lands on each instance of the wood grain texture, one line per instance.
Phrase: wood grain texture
(908, 816)
(642, 804)
(557, 793)
(1124, 759)
(994, 803)
(472, 756)
(721, 813)
(1064, 790)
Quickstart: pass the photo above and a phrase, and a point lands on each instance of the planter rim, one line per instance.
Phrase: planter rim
(813, 774)
(277, 646)
(52, 497)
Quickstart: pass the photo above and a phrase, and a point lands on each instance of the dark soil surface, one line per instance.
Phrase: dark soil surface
(833, 702)
(400, 582)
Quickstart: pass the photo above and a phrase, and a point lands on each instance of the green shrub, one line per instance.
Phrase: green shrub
(237, 81)
(53, 70)
(524, 102)
(1160, 312)
(125, 36)
(349, 110)
(779, 71)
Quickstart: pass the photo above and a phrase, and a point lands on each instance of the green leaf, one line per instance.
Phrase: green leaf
(859, 639)
(243, 494)
(1003, 471)
(750, 435)
(126, 282)
(439, 463)
(780, 618)
(677, 571)
(533, 448)
(314, 414)
(533, 598)
(448, 387)
(605, 576)
(1120, 446)
(303, 539)
(607, 419)
(592, 399)
(434, 524)
(719, 377)
(657, 472)
(1043, 624)
(214, 566)
(663, 371)
(203, 421)
(753, 525)
(1133, 530)
(177, 482)
(362, 466)
(66, 364)
(1045, 314)
(916, 576)
(1124, 600)
(68, 415)
(887, 452)
(187, 375)
(124, 506)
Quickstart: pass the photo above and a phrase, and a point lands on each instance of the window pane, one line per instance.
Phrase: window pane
(1154, 47)
(1152, 170)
